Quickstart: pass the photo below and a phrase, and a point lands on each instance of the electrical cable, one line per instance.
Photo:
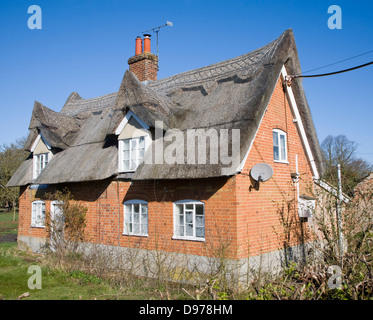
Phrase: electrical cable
(289, 78)
(334, 63)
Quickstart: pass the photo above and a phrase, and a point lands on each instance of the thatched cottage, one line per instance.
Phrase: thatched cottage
(166, 164)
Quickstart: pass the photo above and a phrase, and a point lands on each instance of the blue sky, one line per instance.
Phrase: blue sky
(84, 46)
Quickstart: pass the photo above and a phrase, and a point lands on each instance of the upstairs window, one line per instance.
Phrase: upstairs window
(136, 218)
(131, 153)
(40, 162)
(189, 220)
(38, 214)
(279, 146)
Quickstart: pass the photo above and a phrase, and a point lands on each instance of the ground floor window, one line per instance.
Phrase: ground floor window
(136, 218)
(38, 214)
(189, 220)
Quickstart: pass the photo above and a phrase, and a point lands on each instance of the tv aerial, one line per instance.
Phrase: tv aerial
(156, 31)
(261, 172)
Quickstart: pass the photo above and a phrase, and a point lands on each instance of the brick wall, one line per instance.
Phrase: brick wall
(144, 66)
(259, 226)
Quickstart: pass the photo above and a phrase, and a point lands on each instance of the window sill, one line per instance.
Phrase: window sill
(279, 161)
(39, 227)
(135, 235)
(126, 171)
(188, 238)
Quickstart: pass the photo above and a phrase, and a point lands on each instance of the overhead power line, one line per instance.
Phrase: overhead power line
(334, 63)
(289, 78)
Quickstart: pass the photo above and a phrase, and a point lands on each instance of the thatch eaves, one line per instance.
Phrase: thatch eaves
(57, 129)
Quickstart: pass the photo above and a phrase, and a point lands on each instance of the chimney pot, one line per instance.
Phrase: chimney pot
(147, 43)
(138, 48)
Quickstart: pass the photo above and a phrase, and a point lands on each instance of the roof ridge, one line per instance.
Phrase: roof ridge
(218, 70)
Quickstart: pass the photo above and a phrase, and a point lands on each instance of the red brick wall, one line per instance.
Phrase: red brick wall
(237, 216)
(144, 66)
(259, 227)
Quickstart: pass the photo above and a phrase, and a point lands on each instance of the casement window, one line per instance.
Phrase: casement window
(279, 146)
(131, 153)
(136, 218)
(40, 162)
(189, 220)
(57, 213)
(38, 214)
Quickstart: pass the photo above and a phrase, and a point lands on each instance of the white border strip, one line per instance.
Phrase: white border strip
(300, 125)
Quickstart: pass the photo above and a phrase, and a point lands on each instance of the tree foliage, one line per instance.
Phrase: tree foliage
(11, 157)
(340, 150)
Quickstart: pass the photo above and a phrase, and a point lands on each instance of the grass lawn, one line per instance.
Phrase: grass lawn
(56, 284)
(7, 225)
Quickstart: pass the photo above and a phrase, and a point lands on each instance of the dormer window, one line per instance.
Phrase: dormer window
(132, 152)
(40, 162)
(133, 140)
(41, 154)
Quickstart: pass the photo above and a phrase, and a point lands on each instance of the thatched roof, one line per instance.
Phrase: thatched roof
(232, 94)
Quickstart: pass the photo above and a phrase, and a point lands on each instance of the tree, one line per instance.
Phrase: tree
(341, 150)
(11, 157)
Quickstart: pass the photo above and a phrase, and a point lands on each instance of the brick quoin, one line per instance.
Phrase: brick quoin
(235, 212)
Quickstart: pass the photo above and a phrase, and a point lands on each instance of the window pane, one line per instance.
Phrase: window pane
(136, 228)
(200, 232)
(188, 217)
(133, 164)
(189, 206)
(128, 217)
(144, 219)
(179, 209)
(200, 221)
(144, 209)
(126, 154)
(181, 231)
(136, 208)
(127, 208)
(276, 155)
(134, 144)
(126, 144)
(136, 218)
(141, 143)
(275, 139)
(141, 154)
(144, 229)
(283, 151)
(126, 164)
(189, 230)
(199, 209)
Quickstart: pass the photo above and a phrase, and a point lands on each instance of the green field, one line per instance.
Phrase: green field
(7, 225)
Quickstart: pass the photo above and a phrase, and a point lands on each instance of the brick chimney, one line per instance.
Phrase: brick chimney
(144, 64)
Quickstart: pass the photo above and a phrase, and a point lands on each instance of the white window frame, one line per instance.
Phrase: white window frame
(36, 206)
(282, 158)
(129, 218)
(177, 225)
(132, 157)
(39, 165)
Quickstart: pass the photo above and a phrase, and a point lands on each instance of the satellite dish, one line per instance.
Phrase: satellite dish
(261, 172)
